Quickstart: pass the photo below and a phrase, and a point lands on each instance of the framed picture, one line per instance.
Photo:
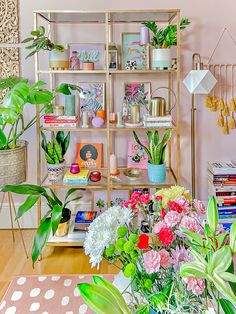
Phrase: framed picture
(138, 93)
(118, 197)
(137, 157)
(134, 56)
(80, 53)
(92, 98)
(89, 155)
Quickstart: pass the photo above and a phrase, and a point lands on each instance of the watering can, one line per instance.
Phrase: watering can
(157, 106)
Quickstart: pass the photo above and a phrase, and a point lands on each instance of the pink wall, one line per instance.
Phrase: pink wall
(208, 20)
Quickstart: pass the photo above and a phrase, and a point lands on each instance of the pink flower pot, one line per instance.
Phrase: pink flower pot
(88, 66)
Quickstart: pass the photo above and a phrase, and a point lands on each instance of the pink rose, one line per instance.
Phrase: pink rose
(158, 226)
(152, 261)
(183, 203)
(200, 207)
(172, 218)
(165, 259)
(135, 195)
(196, 285)
(145, 198)
(189, 223)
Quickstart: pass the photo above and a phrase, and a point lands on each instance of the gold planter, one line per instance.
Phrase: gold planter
(63, 229)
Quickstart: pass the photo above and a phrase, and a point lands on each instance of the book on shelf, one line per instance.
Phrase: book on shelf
(217, 168)
(137, 157)
(149, 118)
(80, 223)
(85, 216)
(51, 118)
(75, 233)
(80, 178)
(157, 124)
(60, 125)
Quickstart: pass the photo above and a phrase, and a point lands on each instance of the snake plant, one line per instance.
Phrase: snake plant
(156, 150)
(55, 150)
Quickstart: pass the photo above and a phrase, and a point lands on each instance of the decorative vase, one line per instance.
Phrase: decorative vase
(156, 173)
(59, 60)
(70, 105)
(55, 172)
(13, 164)
(88, 66)
(161, 58)
(64, 224)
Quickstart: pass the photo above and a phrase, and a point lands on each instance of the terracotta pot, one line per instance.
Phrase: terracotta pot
(88, 66)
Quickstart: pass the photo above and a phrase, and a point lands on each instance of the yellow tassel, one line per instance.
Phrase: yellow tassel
(232, 123)
(221, 104)
(208, 101)
(232, 105)
(225, 112)
(220, 120)
(225, 128)
(213, 106)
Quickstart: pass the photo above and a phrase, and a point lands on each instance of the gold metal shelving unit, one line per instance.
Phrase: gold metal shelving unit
(108, 19)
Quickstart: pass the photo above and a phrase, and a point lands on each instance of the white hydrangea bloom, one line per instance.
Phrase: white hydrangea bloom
(102, 232)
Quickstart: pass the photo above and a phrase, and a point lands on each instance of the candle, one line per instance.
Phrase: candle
(119, 119)
(144, 35)
(135, 114)
(112, 117)
(85, 119)
(113, 164)
(101, 114)
(58, 110)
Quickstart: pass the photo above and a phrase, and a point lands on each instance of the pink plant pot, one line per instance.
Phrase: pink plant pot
(88, 66)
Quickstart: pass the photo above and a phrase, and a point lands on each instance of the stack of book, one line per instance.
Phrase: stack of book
(80, 223)
(222, 185)
(80, 178)
(60, 121)
(161, 122)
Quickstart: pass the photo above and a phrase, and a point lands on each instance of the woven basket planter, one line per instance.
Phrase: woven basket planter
(13, 164)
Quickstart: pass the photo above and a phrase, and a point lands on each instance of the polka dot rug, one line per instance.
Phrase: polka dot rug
(49, 294)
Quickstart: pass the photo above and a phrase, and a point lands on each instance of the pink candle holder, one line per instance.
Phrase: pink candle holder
(74, 168)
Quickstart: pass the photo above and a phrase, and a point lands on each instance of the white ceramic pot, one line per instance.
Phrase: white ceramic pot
(59, 60)
(161, 58)
(56, 172)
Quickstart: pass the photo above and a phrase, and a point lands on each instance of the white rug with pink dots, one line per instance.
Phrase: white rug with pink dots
(46, 294)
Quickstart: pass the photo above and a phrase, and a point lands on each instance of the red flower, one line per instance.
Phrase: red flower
(163, 213)
(145, 198)
(166, 236)
(143, 241)
(135, 195)
(175, 207)
(130, 203)
(158, 198)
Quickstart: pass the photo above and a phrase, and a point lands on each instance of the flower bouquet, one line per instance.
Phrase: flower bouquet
(174, 262)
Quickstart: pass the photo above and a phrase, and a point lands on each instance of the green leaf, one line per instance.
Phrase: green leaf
(143, 309)
(27, 189)
(27, 205)
(198, 257)
(66, 143)
(56, 217)
(228, 276)
(113, 290)
(196, 237)
(193, 269)
(3, 139)
(232, 237)
(227, 306)
(41, 30)
(35, 33)
(99, 299)
(69, 192)
(144, 147)
(26, 40)
(56, 198)
(72, 200)
(212, 214)
(224, 288)
(41, 238)
(220, 261)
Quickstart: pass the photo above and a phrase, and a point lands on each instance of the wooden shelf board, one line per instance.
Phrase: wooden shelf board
(105, 71)
(77, 129)
(113, 128)
(72, 71)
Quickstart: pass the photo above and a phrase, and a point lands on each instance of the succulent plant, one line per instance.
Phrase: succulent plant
(55, 150)
(156, 150)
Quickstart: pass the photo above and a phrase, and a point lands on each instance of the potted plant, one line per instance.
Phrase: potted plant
(156, 152)
(13, 151)
(57, 214)
(162, 40)
(66, 89)
(88, 58)
(58, 55)
(54, 154)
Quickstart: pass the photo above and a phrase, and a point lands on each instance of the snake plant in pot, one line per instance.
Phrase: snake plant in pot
(54, 154)
(162, 40)
(55, 221)
(156, 152)
(19, 94)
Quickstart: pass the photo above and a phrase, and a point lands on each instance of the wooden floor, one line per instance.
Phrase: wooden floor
(56, 260)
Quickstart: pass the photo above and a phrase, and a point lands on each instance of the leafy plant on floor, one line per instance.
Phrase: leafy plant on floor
(57, 211)
(165, 37)
(214, 260)
(19, 93)
(55, 150)
(39, 41)
(66, 89)
(156, 150)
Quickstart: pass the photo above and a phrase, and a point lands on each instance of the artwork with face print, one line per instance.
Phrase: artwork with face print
(89, 155)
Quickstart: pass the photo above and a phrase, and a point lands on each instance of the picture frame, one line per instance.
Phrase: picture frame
(118, 197)
(92, 98)
(89, 155)
(133, 55)
(138, 92)
(80, 51)
(136, 155)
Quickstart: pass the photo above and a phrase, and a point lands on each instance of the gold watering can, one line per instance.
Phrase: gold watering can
(157, 106)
